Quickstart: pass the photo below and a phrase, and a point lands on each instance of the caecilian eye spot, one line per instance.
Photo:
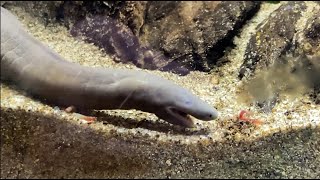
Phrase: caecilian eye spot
(188, 103)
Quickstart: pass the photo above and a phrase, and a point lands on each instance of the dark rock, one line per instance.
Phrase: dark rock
(118, 40)
(194, 34)
(68, 12)
(44, 10)
(315, 96)
(308, 45)
(292, 57)
(273, 37)
(133, 14)
(308, 41)
(72, 11)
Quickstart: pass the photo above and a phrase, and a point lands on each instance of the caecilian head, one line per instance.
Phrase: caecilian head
(175, 105)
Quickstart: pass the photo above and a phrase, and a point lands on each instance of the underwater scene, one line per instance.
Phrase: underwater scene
(160, 89)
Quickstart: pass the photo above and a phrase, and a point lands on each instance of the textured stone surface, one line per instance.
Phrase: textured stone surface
(133, 15)
(67, 12)
(195, 34)
(273, 37)
(118, 40)
(287, 42)
(46, 11)
(308, 40)
(186, 40)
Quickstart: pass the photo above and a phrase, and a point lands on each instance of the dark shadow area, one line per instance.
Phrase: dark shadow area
(38, 146)
(284, 154)
(158, 126)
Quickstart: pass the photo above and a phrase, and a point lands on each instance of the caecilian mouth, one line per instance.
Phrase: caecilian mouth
(180, 115)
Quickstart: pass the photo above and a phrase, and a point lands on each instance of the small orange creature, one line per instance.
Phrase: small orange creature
(243, 117)
(83, 118)
(86, 119)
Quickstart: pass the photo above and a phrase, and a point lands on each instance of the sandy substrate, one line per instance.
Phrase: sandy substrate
(43, 141)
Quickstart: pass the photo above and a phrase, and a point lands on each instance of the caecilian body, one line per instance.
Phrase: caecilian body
(41, 72)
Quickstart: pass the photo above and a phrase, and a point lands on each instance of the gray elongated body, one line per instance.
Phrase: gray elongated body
(41, 72)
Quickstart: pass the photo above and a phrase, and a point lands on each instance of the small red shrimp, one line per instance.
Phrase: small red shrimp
(243, 116)
(83, 118)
